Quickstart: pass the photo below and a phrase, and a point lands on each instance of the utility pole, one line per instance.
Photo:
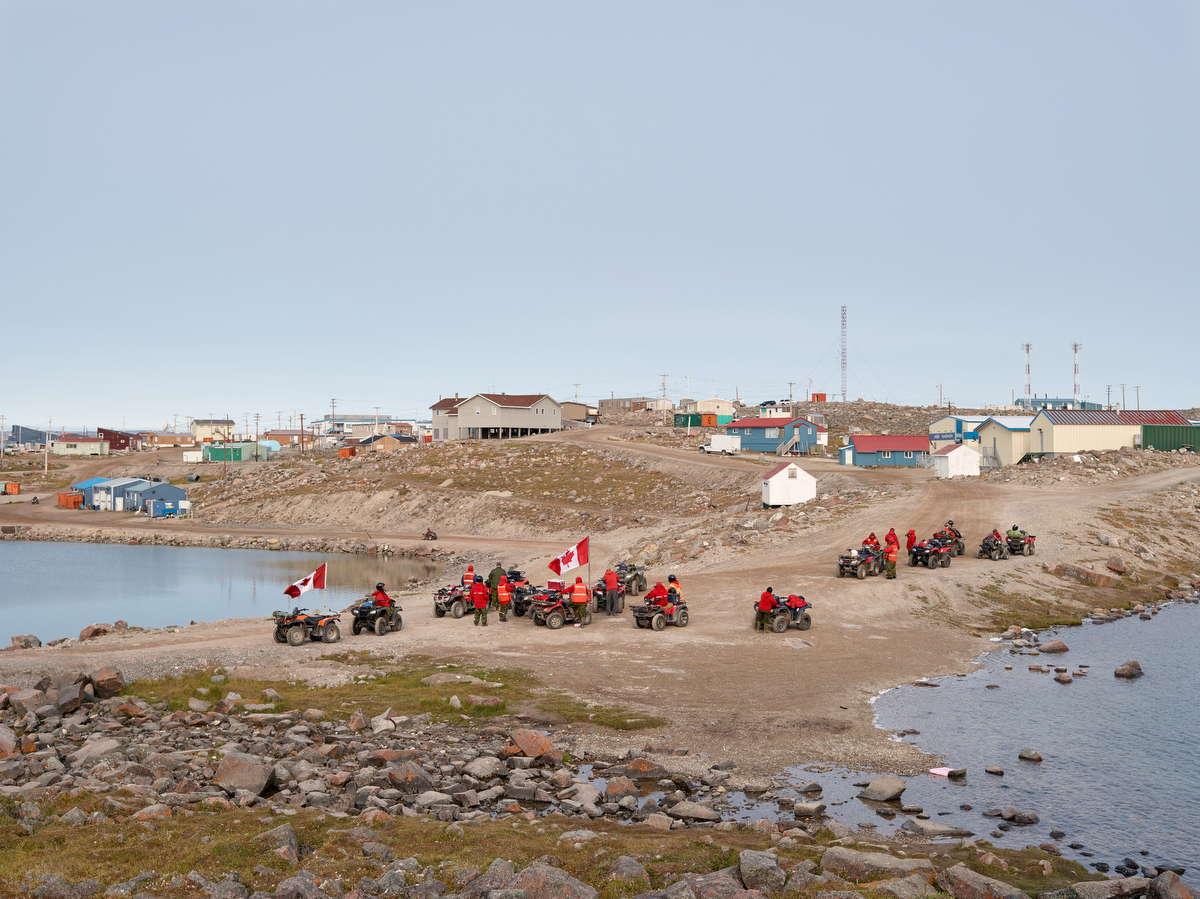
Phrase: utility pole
(1138, 389)
(255, 436)
(1108, 402)
(791, 384)
(664, 390)
(375, 433)
(301, 433)
(1, 435)
(247, 431)
(577, 391)
(332, 416)
(1028, 383)
(1122, 397)
(844, 354)
(225, 455)
(279, 419)
(1077, 347)
(46, 455)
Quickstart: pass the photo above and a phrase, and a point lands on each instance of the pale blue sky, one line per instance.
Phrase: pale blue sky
(257, 206)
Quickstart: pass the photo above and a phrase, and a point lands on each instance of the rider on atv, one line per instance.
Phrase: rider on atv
(383, 601)
(1016, 532)
(872, 541)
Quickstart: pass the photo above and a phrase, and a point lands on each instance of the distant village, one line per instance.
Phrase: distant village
(953, 445)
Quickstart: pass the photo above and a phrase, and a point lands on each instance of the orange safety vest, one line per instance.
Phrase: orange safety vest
(579, 593)
(502, 594)
(469, 578)
(890, 553)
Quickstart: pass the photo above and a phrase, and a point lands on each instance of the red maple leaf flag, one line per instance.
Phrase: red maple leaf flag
(574, 557)
(315, 581)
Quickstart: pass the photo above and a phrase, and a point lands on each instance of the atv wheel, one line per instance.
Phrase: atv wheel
(1027, 549)
(841, 573)
(439, 611)
(912, 559)
(995, 555)
(861, 571)
(779, 624)
(296, 635)
(587, 617)
(356, 627)
(519, 611)
(381, 625)
(1004, 552)
(931, 560)
(946, 560)
(331, 633)
(681, 618)
(805, 621)
(620, 605)
(457, 609)
(280, 635)
(399, 626)
(659, 621)
(554, 620)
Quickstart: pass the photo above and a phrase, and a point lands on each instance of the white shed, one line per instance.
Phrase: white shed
(788, 484)
(956, 461)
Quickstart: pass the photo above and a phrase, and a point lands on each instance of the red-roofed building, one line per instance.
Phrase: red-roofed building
(1057, 432)
(781, 436)
(787, 484)
(870, 450)
(495, 416)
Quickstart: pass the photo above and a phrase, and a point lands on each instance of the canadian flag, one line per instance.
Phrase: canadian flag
(574, 557)
(315, 581)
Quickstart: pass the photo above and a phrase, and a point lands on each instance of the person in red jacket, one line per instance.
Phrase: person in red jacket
(383, 601)
(912, 540)
(872, 541)
(479, 599)
(891, 538)
(612, 589)
(767, 603)
(658, 595)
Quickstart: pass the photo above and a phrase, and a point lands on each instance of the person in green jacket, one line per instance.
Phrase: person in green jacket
(493, 581)
(1016, 532)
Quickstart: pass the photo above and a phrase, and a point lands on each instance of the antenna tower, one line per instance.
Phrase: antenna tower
(1077, 347)
(844, 399)
(1028, 387)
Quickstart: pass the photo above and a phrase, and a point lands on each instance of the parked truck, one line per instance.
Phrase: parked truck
(725, 444)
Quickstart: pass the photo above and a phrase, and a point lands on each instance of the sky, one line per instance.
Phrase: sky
(229, 208)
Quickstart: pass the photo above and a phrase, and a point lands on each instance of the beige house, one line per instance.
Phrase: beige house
(72, 445)
(713, 406)
(1064, 431)
(1003, 439)
(495, 416)
(573, 411)
(206, 430)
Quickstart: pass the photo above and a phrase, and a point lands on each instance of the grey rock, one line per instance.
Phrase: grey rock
(694, 811)
(860, 866)
(963, 883)
(760, 871)
(933, 829)
(883, 789)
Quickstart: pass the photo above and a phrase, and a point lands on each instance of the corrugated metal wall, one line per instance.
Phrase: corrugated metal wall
(1170, 437)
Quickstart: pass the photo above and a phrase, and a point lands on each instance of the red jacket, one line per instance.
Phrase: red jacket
(891, 537)
(479, 595)
(912, 540)
(381, 598)
(658, 593)
(767, 602)
(611, 581)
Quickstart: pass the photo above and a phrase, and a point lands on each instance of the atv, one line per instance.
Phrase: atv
(954, 537)
(600, 597)
(449, 599)
(792, 612)
(860, 562)
(992, 548)
(632, 578)
(553, 610)
(429, 535)
(1023, 545)
(370, 617)
(297, 627)
(656, 617)
(931, 553)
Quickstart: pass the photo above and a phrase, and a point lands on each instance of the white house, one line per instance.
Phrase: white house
(956, 461)
(788, 484)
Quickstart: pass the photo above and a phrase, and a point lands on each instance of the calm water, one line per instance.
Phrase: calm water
(56, 589)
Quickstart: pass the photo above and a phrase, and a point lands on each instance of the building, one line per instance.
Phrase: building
(385, 443)
(348, 425)
(774, 435)
(85, 488)
(164, 439)
(952, 430)
(879, 450)
(787, 484)
(109, 496)
(715, 406)
(77, 445)
(956, 460)
(572, 411)
(615, 406)
(244, 451)
(1003, 439)
(138, 496)
(1055, 432)
(495, 416)
(206, 430)
(1036, 403)
(289, 436)
(120, 441)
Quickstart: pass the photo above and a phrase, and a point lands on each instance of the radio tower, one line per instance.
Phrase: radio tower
(844, 354)
(1077, 347)
(1028, 387)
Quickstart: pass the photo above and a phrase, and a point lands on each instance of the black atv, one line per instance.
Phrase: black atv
(792, 612)
(600, 597)
(298, 627)
(993, 549)
(954, 537)
(860, 562)
(632, 578)
(931, 553)
(657, 617)
(370, 617)
(450, 599)
(1023, 545)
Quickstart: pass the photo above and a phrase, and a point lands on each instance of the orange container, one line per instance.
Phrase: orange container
(708, 419)
(347, 451)
(13, 488)
(819, 398)
(71, 500)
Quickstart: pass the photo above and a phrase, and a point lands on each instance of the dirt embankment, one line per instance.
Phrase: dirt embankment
(727, 691)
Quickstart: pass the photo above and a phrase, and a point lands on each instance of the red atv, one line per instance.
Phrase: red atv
(1023, 545)
(553, 610)
(931, 553)
(450, 599)
(296, 627)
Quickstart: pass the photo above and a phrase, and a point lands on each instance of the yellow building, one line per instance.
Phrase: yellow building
(1003, 439)
(1057, 432)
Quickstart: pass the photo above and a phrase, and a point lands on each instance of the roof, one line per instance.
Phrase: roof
(120, 432)
(896, 443)
(954, 448)
(78, 438)
(448, 402)
(121, 482)
(90, 482)
(765, 422)
(976, 419)
(1113, 417)
(782, 466)
(514, 400)
(1012, 422)
(150, 485)
(212, 421)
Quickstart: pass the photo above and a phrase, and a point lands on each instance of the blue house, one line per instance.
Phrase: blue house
(872, 450)
(774, 435)
(109, 496)
(85, 487)
(139, 495)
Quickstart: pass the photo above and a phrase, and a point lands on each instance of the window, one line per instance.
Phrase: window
(476, 410)
(886, 454)
(772, 432)
(746, 431)
(494, 410)
(793, 473)
(908, 454)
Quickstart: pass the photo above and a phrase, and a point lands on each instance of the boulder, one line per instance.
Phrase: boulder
(282, 842)
(485, 768)
(933, 829)
(238, 771)
(1082, 574)
(1168, 886)
(70, 698)
(8, 742)
(94, 630)
(963, 883)
(1130, 670)
(808, 809)
(760, 871)
(618, 788)
(358, 721)
(883, 789)
(645, 769)
(409, 777)
(1054, 646)
(25, 641)
(631, 871)
(541, 881)
(1029, 755)
(26, 700)
(717, 885)
(532, 743)
(859, 866)
(107, 683)
(693, 811)
(658, 821)
(1114, 563)
(914, 886)
(95, 749)
(1120, 888)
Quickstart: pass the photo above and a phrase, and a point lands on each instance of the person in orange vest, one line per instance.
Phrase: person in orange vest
(579, 599)
(673, 585)
(889, 555)
(479, 599)
(872, 541)
(468, 577)
(767, 603)
(504, 596)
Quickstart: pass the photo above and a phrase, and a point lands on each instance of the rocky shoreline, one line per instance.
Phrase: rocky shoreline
(75, 736)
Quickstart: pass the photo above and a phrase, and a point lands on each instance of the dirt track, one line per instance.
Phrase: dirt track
(766, 700)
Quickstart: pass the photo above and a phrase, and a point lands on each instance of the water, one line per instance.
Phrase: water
(56, 589)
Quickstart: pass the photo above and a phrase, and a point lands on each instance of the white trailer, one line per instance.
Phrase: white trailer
(725, 444)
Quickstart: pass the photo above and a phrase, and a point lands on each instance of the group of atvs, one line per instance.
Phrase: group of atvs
(936, 552)
(297, 627)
